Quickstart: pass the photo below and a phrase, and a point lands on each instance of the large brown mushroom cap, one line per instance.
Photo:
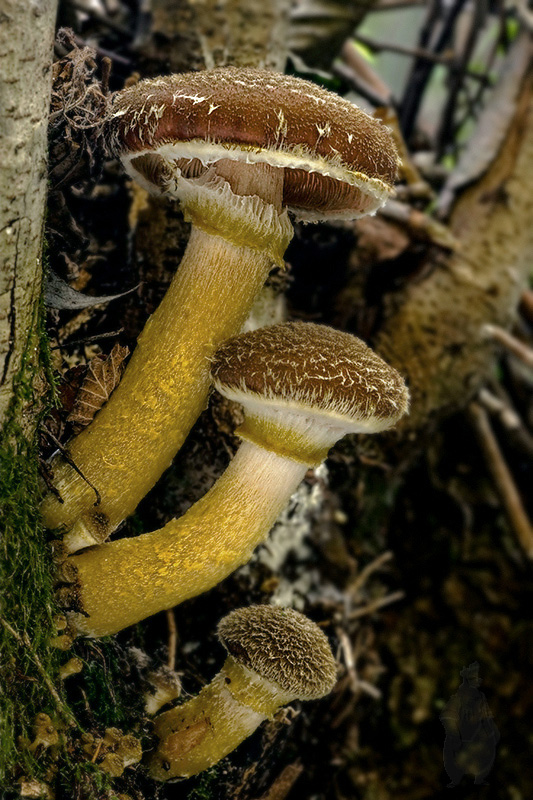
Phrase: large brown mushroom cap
(338, 161)
(282, 646)
(310, 368)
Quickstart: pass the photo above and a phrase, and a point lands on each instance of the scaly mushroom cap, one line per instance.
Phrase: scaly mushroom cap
(339, 162)
(314, 370)
(282, 646)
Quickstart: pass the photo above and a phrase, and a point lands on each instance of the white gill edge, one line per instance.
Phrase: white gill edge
(324, 427)
(210, 152)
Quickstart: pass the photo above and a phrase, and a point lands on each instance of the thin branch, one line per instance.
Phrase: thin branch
(422, 68)
(502, 478)
(457, 79)
(524, 14)
(347, 651)
(378, 563)
(69, 461)
(510, 342)
(375, 605)
(394, 5)
(172, 639)
(415, 183)
(88, 339)
(97, 751)
(497, 402)
(284, 782)
(358, 84)
(413, 52)
(421, 226)
(496, 405)
(356, 684)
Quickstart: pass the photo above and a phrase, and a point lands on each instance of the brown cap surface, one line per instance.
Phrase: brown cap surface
(303, 366)
(282, 646)
(338, 160)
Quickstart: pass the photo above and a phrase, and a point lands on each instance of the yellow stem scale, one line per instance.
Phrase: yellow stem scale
(125, 581)
(135, 436)
(196, 735)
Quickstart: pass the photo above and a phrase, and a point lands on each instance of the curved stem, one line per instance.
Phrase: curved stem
(135, 436)
(199, 733)
(123, 582)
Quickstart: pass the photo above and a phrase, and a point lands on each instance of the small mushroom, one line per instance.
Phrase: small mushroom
(113, 764)
(235, 147)
(130, 750)
(46, 733)
(116, 751)
(275, 656)
(66, 633)
(72, 667)
(303, 387)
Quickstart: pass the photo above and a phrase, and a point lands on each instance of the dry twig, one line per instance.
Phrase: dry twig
(511, 343)
(375, 605)
(502, 477)
(359, 581)
(172, 639)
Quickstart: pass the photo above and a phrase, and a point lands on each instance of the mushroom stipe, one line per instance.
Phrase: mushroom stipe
(303, 387)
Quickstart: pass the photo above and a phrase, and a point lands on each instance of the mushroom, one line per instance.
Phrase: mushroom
(275, 656)
(234, 146)
(303, 387)
(72, 667)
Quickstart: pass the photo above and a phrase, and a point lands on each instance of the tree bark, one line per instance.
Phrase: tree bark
(26, 36)
(435, 332)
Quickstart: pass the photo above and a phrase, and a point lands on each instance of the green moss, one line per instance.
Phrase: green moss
(28, 664)
(109, 688)
(206, 785)
(86, 781)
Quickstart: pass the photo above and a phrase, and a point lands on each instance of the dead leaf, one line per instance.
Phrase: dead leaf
(58, 294)
(102, 377)
(70, 388)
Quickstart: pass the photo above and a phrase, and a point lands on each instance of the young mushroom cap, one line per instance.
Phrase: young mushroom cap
(338, 161)
(276, 656)
(283, 647)
(309, 381)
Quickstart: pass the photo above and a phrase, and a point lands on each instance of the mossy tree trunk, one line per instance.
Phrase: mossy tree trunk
(26, 37)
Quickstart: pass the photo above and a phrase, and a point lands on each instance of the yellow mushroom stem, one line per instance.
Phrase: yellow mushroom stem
(128, 580)
(196, 735)
(133, 439)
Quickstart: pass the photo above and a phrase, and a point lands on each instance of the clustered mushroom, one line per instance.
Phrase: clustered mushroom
(275, 656)
(303, 387)
(236, 147)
